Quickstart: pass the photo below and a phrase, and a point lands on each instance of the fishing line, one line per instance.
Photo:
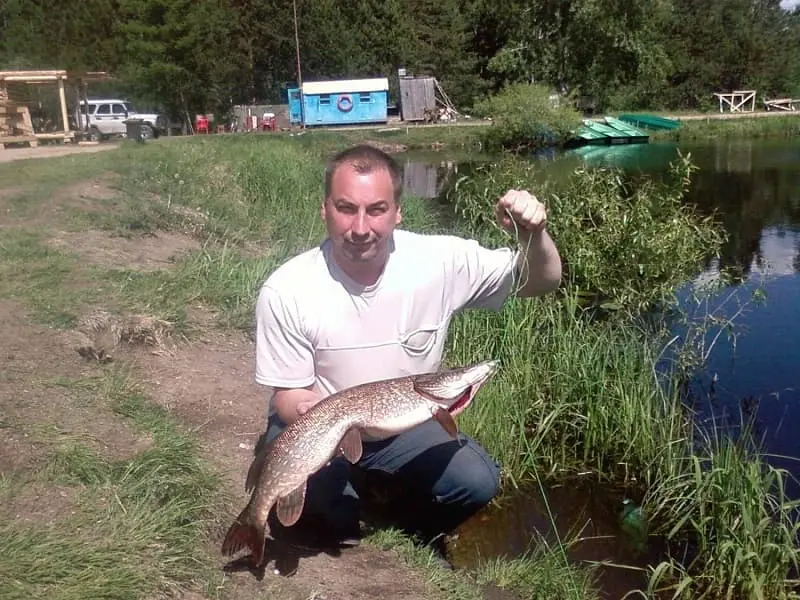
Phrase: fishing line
(522, 262)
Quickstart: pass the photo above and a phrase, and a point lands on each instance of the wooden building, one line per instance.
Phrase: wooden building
(417, 98)
(23, 92)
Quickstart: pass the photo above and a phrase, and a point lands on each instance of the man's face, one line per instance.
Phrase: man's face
(360, 214)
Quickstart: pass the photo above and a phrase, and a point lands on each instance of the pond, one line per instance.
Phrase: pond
(754, 185)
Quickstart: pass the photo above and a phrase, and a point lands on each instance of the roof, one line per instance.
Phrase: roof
(346, 85)
(33, 76)
(52, 75)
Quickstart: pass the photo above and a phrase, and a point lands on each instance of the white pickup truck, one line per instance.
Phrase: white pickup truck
(106, 117)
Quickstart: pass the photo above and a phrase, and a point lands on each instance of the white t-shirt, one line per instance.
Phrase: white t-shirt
(315, 325)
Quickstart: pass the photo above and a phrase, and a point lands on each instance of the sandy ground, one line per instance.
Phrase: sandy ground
(52, 150)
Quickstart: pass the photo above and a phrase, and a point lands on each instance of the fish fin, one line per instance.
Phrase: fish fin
(243, 534)
(350, 445)
(290, 507)
(254, 472)
(446, 420)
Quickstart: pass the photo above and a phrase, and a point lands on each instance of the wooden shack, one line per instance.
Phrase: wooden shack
(417, 98)
(20, 91)
(423, 99)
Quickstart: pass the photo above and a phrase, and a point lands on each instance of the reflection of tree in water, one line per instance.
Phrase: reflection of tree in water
(428, 179)
(747, 203)
(796, 261)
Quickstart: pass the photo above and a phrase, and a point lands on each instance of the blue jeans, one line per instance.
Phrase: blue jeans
(453, 480)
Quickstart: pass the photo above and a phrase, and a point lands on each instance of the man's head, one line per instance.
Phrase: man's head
(361, 208)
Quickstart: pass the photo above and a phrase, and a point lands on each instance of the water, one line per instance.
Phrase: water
(755, 187)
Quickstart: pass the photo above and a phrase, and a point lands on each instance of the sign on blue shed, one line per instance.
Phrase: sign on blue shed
(341, 102)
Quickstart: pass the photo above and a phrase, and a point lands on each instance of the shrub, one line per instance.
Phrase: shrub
(625, 244)
(525, 118)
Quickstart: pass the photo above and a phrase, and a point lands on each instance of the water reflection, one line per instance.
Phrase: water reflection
(761, 214)
(753, 185)
(576, 513)
(426, 179)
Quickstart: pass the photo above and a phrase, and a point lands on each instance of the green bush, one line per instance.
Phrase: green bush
(524, 118)
(624, 244)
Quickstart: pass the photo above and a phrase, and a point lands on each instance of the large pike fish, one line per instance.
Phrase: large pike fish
(279, 474)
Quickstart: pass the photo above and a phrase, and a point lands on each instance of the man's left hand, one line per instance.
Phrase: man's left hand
(522, 208)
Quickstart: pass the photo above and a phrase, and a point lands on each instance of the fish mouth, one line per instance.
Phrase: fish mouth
(462, 401)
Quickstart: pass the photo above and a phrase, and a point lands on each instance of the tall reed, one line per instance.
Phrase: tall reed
(573, 394)
(731, 522)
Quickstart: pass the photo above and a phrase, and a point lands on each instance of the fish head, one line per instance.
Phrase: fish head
(454, 389)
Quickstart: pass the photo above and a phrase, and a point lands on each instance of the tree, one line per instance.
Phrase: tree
(177, 52)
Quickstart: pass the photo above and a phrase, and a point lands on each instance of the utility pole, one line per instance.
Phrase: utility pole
(297, 45)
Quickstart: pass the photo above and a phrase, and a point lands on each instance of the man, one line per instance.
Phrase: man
(373, 302)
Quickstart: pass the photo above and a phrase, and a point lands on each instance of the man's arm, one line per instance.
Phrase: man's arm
(284, 355)
(290, 403)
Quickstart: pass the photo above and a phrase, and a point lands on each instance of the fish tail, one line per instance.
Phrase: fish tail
(245, 534)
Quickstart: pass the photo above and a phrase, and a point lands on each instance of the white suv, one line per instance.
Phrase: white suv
(107, 117)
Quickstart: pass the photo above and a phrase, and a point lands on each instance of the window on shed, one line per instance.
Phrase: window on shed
(325, 99)
(364, 97)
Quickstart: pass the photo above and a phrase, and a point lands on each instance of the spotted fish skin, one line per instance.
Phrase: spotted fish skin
(278, 475)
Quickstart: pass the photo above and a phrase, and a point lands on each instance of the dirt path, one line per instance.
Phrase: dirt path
(210, 384)
(52, 150)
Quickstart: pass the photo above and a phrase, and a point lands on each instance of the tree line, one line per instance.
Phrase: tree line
(205, 55)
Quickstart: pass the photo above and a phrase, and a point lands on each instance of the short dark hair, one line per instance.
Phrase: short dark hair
(364, 159)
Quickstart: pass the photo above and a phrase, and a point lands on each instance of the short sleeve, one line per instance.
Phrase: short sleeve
(482, 277)
(284, 354)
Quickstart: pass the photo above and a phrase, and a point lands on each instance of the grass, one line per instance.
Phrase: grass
(139, 525)
(572, 395)
(538, 574)
(39, 274)
(732, 510)
(444, 583)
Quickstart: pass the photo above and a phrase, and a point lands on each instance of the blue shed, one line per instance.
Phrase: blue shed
(340, 102)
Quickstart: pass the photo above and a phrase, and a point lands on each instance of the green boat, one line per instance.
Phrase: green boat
(611, 131)
(651, 122)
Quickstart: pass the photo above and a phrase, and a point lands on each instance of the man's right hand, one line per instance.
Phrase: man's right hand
(302, 407)
(290, 403)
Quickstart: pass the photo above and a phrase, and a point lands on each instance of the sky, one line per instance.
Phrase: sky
(790, 3)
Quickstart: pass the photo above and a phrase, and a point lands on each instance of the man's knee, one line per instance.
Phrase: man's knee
(471, 478)
(483, 482)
